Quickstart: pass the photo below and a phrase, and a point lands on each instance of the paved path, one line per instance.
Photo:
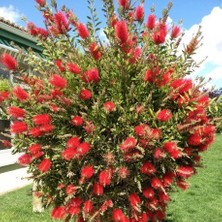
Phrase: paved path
(13, 180)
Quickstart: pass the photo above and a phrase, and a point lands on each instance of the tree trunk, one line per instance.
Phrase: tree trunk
(37, 204)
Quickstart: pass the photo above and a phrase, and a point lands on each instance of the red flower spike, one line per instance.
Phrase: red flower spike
(6, 143)
(87, 206)
(41, 119)
(70, 189)
(61, 22)
(44, 166)
(35, 132)
(139, 13)
(87, 171)
(109, 106)
(18, 127)
(156, 183)
(124, 3)
(147, 168)
(151, 21)
(16, 112)
(123, 172)
(183, 185)
(128, 144)
(98, 189)
(77, 121)
(82, 31)
(134, 200)
(25, 159)
(89, 127)
(58, 212)
(41, 2)
(121, 32)
(95, 51)
(9, 62)
(118, 215)
(83, 148)
(149, 193)
(68, 153)
(74, 210)
(73, 142)
(60, 65)
(58, 81)
(91, 76)
(85, 94)
(175, 32)
(184, 171)
(164, 115)
(20, 93)
(158, 154)
(73, 68)
(105, 177)
(34, 148)
(182, 85)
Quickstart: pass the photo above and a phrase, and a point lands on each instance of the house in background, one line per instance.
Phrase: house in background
(16, 41)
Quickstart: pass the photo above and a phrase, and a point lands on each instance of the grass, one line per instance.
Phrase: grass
(202, 202)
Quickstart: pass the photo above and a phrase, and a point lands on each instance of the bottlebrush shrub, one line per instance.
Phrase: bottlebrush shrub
(108, 129)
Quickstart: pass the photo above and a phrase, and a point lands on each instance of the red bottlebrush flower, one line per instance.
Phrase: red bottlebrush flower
(16, 112)
(170, 146)
(139, 13)
(148, 193)
(73, 142)
(95, 51)
(135, 54)
(70, 189)
(160, 215)
(44, 166)
(82, 30)
(59, 65)
(167, 179)
(25, 159)
(32, 29)
(203, 101)
(158, 154)
(34, 148)
(87, 206)
(184, 171)
(41, 2)
(58, 81)
(47, 128)
(118, 215)
(195, 140)
(106, 205)
(142, 130)
(73, 68)
(74, 210)
(183, 185)
(77, 121)
(159, 37)
(98, 189)
(128, 144)
(105, 177)
(41, 119)
(6, 143)
(35, 132)
(124, 3)
(18, 127)
(113, 20)
(83, 148)
(9, 62)
(147, 168)
(42, 33)
(68, 153)
(164, 115)
(85, 94)
(109, 106)
(91, 76)
(175, 32)
(175, 154)
(156, 183)
(151, 20)
(121, 31)
(182, 85)
(89, 127)
(123, 172)
(87, 171)
(61, 22)
(58, 212)
(4, 95)
(134, 200)
(20, 93)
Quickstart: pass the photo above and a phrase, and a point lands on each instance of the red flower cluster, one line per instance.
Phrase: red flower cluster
(9, 62)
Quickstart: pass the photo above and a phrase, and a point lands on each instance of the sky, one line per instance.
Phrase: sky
(207, 13)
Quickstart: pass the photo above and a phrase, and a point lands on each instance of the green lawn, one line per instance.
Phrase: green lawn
(201, 203)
